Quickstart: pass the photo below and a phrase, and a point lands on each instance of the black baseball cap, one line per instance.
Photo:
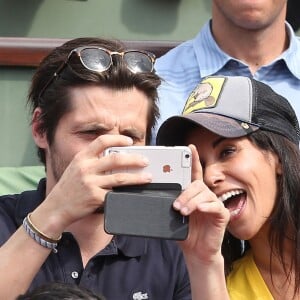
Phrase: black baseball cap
(231, 106)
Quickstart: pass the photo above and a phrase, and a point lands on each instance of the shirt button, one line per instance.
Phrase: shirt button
(74, 275)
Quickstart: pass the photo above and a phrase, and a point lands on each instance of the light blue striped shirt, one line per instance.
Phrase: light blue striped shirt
(183, 67)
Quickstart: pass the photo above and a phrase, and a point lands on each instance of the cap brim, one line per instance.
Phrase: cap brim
(174, 130)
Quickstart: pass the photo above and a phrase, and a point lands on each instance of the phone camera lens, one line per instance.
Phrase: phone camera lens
(187, 156)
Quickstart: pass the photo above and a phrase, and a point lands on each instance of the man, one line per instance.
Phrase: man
(87, 95)
(247, 38)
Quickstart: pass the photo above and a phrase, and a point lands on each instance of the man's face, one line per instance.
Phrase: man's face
(249, 14)
(95, 111)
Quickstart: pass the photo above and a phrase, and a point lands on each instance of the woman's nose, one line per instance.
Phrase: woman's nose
(213, 174)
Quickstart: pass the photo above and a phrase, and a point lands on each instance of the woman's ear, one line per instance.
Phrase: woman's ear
(39, 136)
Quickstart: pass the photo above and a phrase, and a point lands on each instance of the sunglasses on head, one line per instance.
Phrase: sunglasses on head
(99, 60)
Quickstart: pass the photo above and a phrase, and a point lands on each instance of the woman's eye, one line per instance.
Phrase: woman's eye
(227, 151)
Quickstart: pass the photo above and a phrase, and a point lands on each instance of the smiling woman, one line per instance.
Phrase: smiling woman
(246, 188)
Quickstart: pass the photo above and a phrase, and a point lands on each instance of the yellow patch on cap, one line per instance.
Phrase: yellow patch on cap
(205, 95)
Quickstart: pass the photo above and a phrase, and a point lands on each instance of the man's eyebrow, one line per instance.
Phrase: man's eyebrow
(93, 126)
(218, 141)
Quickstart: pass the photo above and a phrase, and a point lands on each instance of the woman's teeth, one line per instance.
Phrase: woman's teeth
(230, 194)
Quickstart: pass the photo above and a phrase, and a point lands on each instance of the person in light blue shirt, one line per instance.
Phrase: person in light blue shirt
(242, 38)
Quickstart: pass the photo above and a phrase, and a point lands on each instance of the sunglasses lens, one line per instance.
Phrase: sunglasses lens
(138, 62)
(95, 59)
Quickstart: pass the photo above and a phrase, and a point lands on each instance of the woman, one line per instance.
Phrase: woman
(245, 198)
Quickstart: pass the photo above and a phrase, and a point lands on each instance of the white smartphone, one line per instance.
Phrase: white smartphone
(166, 164)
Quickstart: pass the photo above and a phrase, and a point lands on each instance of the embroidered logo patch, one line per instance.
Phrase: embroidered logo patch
(139, 296)
(205, 95)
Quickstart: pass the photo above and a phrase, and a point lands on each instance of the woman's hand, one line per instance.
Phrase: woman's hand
(208, 217)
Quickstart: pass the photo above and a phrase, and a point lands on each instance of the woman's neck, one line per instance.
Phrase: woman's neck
(276, 270)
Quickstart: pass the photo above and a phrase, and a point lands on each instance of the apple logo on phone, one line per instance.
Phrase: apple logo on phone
(167, 169)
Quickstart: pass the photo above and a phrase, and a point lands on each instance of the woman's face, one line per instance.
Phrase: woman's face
(242, 176)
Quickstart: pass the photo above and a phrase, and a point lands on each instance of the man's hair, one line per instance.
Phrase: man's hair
(54, 101)
(284, 221)
(62, 291)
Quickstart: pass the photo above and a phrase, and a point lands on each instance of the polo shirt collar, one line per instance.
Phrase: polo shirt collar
(291, 56)
(205, 43)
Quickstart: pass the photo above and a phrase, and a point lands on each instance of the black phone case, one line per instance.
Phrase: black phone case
(145, 211)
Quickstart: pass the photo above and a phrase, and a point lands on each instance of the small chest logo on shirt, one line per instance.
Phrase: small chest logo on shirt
(140, 296)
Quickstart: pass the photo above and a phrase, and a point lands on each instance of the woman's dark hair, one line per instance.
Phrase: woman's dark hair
(285, 218)
(61, 291)
(54, 100)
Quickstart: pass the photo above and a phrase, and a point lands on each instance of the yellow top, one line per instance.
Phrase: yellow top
(245, 281)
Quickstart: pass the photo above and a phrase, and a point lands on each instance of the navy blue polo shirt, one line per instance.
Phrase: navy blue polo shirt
(127, 268)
